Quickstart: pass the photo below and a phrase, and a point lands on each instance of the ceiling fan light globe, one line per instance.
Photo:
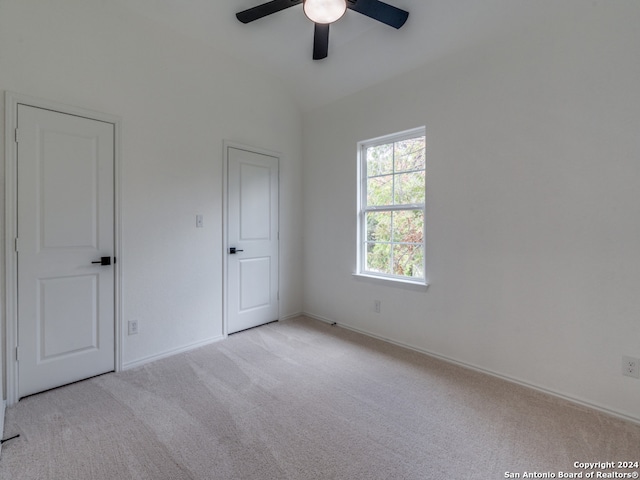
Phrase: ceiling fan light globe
(324, 11)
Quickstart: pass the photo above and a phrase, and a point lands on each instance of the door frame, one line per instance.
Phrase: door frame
(225, 222)
(12, 100)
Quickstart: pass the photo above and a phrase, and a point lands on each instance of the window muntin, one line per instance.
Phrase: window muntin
(392, 207)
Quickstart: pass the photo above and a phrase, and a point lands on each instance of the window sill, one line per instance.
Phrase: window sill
(396, 282)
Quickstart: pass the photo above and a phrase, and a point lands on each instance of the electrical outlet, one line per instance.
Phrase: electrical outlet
(376, 306)
(631, 367)
(133, 327)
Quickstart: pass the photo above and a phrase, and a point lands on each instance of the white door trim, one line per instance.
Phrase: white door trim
(12, 100)
(225, 219)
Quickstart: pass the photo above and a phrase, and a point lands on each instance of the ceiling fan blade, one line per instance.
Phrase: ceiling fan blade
(265, 9)
(320, 41)
(383, 12)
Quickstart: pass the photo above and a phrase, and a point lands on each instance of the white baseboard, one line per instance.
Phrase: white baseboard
(507, 378)
(291, 316)
(3, 407)
(170, 353)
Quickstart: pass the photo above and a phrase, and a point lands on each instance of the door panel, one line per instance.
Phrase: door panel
(255, 276)
(252, 272)
(68, 207)
(255, 202)
(65, 222)
(58, 317)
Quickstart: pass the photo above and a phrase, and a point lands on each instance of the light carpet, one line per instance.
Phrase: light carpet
(301, 400)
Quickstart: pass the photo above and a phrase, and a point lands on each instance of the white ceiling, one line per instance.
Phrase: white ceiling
(362, 51)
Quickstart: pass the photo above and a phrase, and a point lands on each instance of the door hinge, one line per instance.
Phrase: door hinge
(17, 354)
(19, 134)
(16, 244)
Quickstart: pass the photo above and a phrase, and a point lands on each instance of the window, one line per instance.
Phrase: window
(391, 239)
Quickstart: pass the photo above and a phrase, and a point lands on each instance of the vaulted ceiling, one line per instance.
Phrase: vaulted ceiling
(362, 52)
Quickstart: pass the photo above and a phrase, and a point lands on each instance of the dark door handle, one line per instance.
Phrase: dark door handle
(234, 250)
(104, 261)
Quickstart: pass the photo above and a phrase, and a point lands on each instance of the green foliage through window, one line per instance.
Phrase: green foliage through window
(393, 207)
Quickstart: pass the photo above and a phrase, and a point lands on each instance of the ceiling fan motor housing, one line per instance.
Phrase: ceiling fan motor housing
(324, 11)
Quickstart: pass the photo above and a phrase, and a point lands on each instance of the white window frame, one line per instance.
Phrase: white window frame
(363, 209)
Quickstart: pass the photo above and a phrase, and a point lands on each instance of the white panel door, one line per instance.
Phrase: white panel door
(252, 238)
(65, 224)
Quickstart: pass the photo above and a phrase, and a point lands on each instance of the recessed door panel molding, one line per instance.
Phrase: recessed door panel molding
(255, 283)
(255, 212)
(58, 316)
(251, 244)
(68, 166)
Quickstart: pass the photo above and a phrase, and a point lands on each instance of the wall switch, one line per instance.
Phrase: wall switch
(133, 327)
(199, 221)
(631, 367)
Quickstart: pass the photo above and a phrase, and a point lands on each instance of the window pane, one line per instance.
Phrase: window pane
(392, 215)
(409, 188)
(379, 257)
(408, 226)
(380, 190)
(378, 226)
(410, 154)
(408, 260)
(380, 160)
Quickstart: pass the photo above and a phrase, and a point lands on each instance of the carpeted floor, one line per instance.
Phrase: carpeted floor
(303, 400)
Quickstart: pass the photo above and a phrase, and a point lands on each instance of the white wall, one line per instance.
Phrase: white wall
(533, 206)
(178, 101)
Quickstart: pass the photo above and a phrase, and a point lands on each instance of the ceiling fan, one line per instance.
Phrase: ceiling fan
(325, 12)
